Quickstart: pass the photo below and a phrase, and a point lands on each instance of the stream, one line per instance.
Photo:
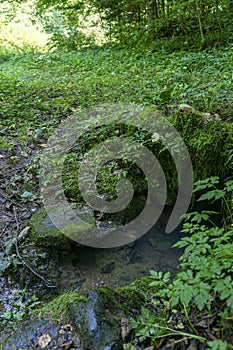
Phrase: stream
(83, 269)
(86, 268)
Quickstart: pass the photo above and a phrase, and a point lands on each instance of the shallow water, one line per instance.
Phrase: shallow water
(86, 268)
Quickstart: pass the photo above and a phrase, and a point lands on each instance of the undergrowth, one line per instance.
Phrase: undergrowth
(38, 91)
(198, 303)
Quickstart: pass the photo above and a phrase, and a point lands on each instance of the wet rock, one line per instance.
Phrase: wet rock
(169, 262)
(108, 268)
(40, 334)
(160, 244)
(98, 320)
(135, 258)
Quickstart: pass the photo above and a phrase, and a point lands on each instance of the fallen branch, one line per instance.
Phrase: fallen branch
(16, 243)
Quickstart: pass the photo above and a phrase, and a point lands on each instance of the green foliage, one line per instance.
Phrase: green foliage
(204, 281)
(20, 308)
(8, 262)
(206, 261)
(176, 24)
(217, 345)
(38, 91)
(215, 194)
(160, 283)
(149, 325)
(70, 25)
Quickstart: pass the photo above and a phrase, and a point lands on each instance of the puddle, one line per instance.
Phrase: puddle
(86, 268)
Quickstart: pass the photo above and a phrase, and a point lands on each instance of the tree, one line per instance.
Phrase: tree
(132, 22)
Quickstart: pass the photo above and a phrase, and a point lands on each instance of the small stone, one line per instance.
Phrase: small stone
(155, 137)
(126, 329)
(135, 258)
(26, 215)
(108, 268)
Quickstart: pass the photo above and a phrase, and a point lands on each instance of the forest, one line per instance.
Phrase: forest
(116, 194)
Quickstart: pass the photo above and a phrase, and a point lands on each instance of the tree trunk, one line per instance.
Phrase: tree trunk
(152, 16)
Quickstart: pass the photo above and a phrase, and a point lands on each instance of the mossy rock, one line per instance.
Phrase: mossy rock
(98, 320)
(45, 233)
(58, 308)
(135, 298)
(89, 322)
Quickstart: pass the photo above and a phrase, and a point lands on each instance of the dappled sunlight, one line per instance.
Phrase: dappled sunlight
(19, 30)
(23, 37)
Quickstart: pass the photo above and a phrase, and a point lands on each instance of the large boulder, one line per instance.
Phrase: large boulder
(71, 321)
(98, 320)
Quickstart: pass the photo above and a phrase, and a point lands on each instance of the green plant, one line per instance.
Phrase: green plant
(8, 261)
(218, 345)
(207, 263)
(19, 309)
(214, 194)
(160, 283)
(205, 280)
(151, 326)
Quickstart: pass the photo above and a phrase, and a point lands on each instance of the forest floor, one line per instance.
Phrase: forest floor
(38, 91)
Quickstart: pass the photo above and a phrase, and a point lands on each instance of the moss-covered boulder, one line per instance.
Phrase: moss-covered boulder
(73, 321)
(44, 232)
(98, 320)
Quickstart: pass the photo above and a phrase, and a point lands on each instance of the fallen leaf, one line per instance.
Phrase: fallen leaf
(126, 329)
(155, 137)
(202, 324)
(23, 233)
(44, 340)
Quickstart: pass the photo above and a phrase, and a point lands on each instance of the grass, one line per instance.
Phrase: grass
(46, 87)
(39, 90)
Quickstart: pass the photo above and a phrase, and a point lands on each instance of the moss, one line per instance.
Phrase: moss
(58, 308)
(109, 293)
(136, 291)
(44, 233)
(142, 284)
(134, 298)
(113, 298)
(209, 144)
